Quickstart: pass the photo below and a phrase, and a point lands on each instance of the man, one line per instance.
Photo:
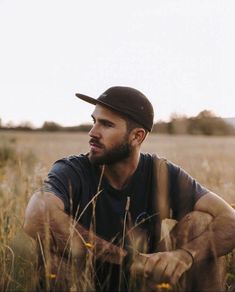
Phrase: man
(104, 209)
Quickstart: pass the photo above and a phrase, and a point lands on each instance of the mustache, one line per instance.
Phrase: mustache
(95, 142)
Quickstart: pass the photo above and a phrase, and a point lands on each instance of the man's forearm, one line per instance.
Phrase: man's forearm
(103, 250)
(217, 240)
(46, 221)
(200, 234)
(79, 240)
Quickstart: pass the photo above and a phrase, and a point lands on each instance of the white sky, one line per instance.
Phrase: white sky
(180, 53)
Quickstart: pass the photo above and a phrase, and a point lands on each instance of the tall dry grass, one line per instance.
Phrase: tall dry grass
(25, 159)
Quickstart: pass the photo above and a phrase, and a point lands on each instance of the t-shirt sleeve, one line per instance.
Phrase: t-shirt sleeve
(63, 181)
(185, 191)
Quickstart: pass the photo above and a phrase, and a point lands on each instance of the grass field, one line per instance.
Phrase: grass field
(26, 157)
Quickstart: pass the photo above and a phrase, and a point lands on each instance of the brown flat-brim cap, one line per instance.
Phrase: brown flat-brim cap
(127, 101)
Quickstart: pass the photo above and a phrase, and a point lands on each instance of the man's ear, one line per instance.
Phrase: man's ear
(137, 136)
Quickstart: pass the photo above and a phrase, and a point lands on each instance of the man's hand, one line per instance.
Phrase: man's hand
(162, 267)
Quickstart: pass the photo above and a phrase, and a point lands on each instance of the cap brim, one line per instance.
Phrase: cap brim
(97, 101)
(86, 98)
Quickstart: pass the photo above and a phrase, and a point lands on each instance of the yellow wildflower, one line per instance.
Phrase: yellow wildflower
(89, 245)
(166, 286)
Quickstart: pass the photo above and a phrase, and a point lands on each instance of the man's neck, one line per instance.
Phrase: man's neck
(119, 174)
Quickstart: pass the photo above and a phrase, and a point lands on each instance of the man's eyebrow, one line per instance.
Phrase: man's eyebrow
(103, 121)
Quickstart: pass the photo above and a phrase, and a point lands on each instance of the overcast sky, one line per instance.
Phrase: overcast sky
(180, 53)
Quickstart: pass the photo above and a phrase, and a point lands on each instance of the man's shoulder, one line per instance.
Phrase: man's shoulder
(74, 159)
(75, 162)
(81, 158)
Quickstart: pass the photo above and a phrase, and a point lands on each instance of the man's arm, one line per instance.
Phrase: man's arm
(217, 240)
(45, 216)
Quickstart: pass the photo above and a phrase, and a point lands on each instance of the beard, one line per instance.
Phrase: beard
(117, 153)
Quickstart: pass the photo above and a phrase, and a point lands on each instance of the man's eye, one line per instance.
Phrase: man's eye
(107, 124)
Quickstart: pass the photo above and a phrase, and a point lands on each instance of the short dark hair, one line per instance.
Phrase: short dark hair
(131, 124)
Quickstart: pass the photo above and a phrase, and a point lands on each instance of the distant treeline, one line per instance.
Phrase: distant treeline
(205, 123)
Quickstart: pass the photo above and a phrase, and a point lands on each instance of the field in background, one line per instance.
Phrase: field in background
(26, 158)
(210, 159)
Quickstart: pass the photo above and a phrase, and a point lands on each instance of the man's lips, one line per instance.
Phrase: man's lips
(95, 144)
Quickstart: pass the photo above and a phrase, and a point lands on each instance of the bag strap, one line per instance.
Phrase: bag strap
(161, 186)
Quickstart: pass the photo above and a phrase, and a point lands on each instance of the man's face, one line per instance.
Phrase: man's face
(109, 137)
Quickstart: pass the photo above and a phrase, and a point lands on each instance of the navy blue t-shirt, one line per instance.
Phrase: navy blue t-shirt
(75, 181)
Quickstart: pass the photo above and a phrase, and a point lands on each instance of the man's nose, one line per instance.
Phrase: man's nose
(94, 133)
